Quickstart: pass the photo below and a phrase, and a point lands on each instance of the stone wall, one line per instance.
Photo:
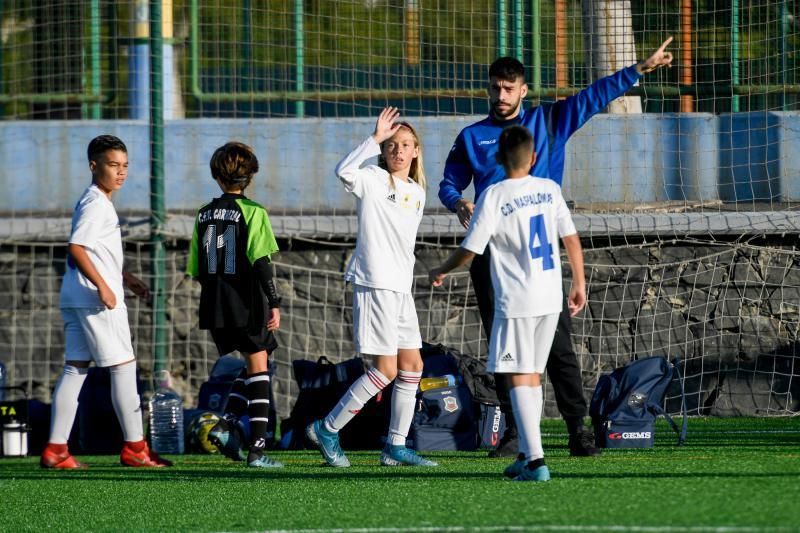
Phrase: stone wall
(729, 310)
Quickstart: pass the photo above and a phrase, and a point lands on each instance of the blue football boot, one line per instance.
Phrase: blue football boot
(541, 473)
(328, 444)
(515, 468)
(399, 455)
(264, 462)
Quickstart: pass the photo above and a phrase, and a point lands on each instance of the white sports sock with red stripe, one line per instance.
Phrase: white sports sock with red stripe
(403, 400)
(354, 399)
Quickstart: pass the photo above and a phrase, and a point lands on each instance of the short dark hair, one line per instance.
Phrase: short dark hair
(234, 164)
(508, 69)
(515, 147)
(102, 144)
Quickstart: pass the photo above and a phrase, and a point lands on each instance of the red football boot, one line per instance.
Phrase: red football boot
(58, 456)
(144, 457)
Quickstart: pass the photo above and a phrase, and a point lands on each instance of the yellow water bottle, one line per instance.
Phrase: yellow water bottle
(448, 380)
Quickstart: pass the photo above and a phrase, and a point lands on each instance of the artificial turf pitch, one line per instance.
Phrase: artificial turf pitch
(732, 475)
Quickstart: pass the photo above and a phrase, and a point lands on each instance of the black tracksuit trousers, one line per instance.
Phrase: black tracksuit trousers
(563, 370)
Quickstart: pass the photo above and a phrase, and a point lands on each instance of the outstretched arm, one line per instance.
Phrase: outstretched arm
(569, 115)
(660, 58)
(459, 257)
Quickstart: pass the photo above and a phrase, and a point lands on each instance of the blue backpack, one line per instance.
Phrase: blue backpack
(626, 402)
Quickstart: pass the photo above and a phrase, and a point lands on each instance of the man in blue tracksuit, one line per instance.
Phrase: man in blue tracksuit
(472, 159)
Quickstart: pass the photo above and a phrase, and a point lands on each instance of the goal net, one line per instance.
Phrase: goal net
(685, 191)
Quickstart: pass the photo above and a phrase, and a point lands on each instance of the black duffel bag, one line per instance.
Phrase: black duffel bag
(321, 384)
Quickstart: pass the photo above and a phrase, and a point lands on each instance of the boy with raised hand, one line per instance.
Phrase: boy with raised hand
(520, 219)
(95, 317)
(230, 255)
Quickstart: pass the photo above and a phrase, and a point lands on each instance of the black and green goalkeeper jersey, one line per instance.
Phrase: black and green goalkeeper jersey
(230, 255)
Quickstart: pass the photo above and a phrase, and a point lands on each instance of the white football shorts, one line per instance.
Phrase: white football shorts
(97, 334)
(521, 345)
(384, 321)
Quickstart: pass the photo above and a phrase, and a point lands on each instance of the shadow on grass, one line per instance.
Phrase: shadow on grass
(240, 474)
(324, 473)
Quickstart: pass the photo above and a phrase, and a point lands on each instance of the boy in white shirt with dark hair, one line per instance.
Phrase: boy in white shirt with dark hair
(95, 317)
(520, 219)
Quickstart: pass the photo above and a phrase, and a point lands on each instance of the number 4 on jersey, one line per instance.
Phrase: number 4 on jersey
(544, 250)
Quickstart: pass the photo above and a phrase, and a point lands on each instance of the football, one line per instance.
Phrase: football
(198, 433)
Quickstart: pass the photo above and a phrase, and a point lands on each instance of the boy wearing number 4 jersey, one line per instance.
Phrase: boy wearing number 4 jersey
(230, 256)
(520, 219)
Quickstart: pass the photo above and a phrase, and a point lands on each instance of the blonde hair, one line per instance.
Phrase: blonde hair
(417, 172)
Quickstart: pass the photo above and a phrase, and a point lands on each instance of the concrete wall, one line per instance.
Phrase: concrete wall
(645, 158)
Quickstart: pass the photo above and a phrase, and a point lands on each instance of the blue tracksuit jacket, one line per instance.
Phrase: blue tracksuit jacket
(473, 154)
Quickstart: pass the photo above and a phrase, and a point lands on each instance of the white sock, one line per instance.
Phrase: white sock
(65, 403)
(404, 399)
(527, 405)
(354, 399)
(125, 399)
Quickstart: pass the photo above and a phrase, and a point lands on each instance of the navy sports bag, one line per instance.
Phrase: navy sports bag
(627, 401)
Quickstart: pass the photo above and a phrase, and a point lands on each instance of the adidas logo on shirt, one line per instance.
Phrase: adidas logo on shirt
(392, 198)
(507, 357)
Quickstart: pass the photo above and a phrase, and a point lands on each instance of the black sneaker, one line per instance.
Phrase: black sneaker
(507, 447)
(581, 444)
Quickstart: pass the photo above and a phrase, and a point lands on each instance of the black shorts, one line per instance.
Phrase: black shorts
(244, 340)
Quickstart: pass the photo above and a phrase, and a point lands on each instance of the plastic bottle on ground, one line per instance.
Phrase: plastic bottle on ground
(166, 418)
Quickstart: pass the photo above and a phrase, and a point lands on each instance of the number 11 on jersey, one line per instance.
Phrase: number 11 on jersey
(544, 249)
(226, 241)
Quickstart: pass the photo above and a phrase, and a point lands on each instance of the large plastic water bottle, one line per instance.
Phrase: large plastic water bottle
(166, 417)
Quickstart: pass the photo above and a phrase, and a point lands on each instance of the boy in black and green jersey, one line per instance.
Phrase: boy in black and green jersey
(230, 256)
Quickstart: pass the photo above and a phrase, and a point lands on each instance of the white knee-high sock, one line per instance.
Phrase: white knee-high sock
(527, 405)
(65, 403)
(403, 400)
(354, 399)
(125, 399)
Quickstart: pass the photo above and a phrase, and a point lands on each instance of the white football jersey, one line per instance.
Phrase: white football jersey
(389, 213)
(95, 226)
(521, 221)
